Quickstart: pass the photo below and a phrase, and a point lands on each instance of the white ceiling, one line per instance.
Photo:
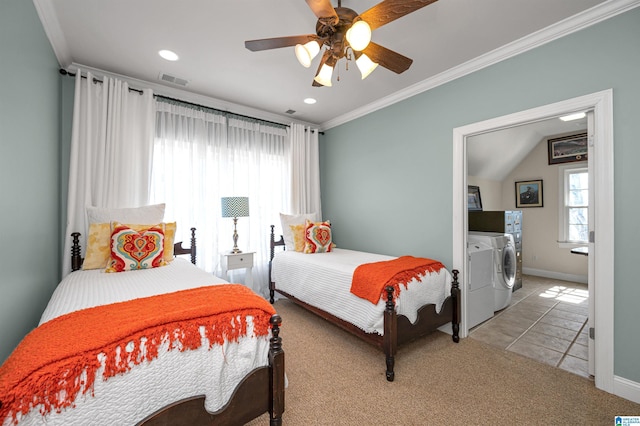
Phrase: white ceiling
(123, 37)
(494, 155)
(446, 40)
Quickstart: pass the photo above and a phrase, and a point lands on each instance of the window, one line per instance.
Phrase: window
(574, 205)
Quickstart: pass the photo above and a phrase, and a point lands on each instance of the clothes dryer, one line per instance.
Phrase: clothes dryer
(504, 265)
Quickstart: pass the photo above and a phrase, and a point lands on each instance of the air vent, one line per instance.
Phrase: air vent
(173, 80)
(290, 111)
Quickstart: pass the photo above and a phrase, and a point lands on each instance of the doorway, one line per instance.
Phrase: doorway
(601, 259)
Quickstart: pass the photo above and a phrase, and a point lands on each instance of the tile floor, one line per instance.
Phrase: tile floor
(546, 321)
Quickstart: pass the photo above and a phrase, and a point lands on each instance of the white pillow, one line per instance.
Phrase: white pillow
(286, 220)
(144, 215)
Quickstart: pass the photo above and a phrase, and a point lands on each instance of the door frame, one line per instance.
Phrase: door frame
(601, 258)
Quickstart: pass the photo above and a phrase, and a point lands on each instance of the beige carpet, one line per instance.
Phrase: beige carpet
(336, 379)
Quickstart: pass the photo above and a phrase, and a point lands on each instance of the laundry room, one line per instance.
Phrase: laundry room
(528, 232)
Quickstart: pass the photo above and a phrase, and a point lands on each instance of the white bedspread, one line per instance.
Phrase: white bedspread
(128, 398)
(323, 280)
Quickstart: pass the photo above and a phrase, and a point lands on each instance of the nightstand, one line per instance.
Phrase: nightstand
(230, 261)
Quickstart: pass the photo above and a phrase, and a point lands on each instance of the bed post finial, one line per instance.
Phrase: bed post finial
(276, 361)
(76, 260)
(390, 337)
(455, 295)
(193, 245)
(272, 253)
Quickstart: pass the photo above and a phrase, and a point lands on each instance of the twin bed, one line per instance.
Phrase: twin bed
(322, 283)
(175, 345)
(164, 346)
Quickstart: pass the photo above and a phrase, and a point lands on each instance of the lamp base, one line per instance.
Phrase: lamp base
(235, 250)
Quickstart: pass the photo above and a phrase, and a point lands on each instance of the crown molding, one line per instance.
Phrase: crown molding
(54, 33)
(553, 32)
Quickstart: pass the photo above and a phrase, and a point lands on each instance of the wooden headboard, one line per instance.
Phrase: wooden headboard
(76, 259)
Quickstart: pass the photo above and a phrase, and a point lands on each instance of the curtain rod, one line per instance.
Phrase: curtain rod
(95, 80)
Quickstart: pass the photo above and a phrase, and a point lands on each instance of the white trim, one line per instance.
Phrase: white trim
(626, 389)
(582, 20)
(556, 275)
(601, 163)
(562, 208)
(160, 89)
(49, 19)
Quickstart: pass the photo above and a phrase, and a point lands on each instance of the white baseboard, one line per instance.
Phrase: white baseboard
(556, 275)
(625, 388)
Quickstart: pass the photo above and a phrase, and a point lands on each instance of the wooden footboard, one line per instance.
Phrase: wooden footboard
(260, 392)
(398, 329)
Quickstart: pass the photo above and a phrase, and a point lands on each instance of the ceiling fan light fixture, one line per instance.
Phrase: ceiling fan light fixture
(359, 35)
(306, 52)
(365, 65)
(324, 76)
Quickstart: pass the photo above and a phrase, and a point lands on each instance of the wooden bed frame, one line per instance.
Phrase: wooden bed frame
(259, 392)
(398, 329)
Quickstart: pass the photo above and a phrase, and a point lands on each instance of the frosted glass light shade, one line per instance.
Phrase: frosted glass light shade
(324, 76)
(359, 35)
(365, 65)
(306, 52)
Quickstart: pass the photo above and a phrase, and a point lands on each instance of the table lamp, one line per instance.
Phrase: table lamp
(235, 207)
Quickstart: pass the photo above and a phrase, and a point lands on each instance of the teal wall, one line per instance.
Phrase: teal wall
(387, 177)
(29, 172)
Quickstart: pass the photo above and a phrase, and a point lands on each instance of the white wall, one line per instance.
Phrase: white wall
(540, 249)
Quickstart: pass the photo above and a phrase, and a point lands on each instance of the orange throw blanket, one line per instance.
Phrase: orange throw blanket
(47, 366)
(370, 279)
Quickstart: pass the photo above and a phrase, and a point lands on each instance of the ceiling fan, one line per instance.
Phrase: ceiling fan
(346, 34)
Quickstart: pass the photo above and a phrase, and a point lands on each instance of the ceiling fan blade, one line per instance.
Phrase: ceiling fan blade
(278, 42)
(387, 58)
(323, 10)
(389, 10)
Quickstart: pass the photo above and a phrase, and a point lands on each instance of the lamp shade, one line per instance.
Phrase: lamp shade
(324, 76)
(365, 65)
(306, 52)
(235, 206)
(359, 35)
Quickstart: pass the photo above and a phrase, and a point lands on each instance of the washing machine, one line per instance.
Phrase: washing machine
(480, 283)
(504, 264)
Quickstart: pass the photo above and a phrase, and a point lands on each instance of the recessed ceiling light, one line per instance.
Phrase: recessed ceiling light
(168, 55)
(310, 101)
(571, 117)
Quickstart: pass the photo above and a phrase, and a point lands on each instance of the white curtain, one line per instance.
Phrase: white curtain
(305, 171)
(200, 156)
(111, 151)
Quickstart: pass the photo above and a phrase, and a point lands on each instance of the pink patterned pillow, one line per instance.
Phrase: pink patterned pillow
(131, 249)
(317, 237)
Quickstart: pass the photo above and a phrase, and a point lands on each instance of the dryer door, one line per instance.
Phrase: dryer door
(509, 265)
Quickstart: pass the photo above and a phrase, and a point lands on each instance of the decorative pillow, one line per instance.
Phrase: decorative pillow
(150, 214)
(317, 237)
(286, 220)
(131, 250)
(98, 246)
(99, 243)
(298, 236)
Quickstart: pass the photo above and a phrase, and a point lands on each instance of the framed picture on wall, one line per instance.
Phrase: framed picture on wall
(567, 149)
(529, 193)
(474, 202)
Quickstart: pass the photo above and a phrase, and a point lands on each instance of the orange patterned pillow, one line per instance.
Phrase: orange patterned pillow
(131, 250)
(317, 237)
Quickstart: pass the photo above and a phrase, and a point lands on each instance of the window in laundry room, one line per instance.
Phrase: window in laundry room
(574, 205)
